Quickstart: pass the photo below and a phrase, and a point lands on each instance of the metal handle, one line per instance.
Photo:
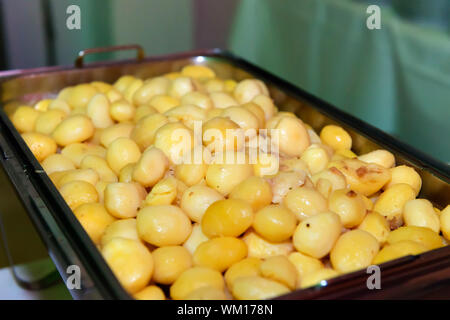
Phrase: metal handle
(79, 62)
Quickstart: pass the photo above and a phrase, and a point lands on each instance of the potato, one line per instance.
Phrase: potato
(40, 145)
(220, 253)
(229, 218)
(316, 235)
(131, 262)
(354, 250)
(256, 288)
(193, 279)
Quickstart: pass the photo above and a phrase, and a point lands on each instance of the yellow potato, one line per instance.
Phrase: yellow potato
(243, 117)
(77, 151)
(98, 110)
(220, 253)
(316, 277)
(150, 293)
(381, 157)
(150, 89)
(191, 173)
(40, 144)
(77, 128)
(57, 162)
(24, 118)
(197, 199)
(100, 166)
(244, 268)
(123, 82)
(422, 235)
(364, 178)
(283, 182)
(291, 129)
(316, 158)
(76, 193)
(329, 180)
(275, 223)
(47, 121)
(222, 100)
(198, 71)
(304, 265)
(94, 218)
(445, 222)
(131, 262)
(261, 248)
(420, 213)
(175, 140)
(214, 85)
(193, 279)
(377, 225)
(316, 235)
(342, 154)
(181, 86)
(266, 164)
(188, 114)
(144, 131)
(60, 105)
(207, 293)
(164, 225)
(122, 152)
(163, 103)
(122, 111)
(254, 190)
(122, 200)
(266, 105)
(132, 88)
(42, 105)
(229, 218)
(101, 86)
(392, 201)
(305, 202)
(405, 174)
(123, 228)
(169, 263)
(336, 137)
(349, 205)
(114, 95)
(248, 89)
(196, 238)
(280, 269)
(143, 111)
(223, 176)
(398, 250)
(163, 193)
(151, 167)
(215, 136)
(87, 175)
(354, 250)
(197, 98)
(126, 173)
(80, 95)
(119, 130)
(257, 288)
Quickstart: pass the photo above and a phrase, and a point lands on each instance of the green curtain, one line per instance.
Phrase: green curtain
(396, 78)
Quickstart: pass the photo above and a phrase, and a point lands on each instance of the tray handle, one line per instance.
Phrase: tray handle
(79, 61)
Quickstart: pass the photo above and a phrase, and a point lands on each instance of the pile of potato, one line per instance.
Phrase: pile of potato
(213, 230)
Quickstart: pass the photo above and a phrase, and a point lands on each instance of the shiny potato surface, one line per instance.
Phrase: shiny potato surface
(217, 216)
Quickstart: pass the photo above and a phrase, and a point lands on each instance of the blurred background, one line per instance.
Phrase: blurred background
(396, 78)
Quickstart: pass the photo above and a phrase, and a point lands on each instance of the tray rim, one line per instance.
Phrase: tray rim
(435, 167)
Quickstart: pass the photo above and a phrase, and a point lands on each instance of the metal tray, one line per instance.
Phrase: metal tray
(426, 275)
